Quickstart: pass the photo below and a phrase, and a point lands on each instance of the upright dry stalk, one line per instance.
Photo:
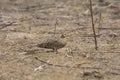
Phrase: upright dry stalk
(56, 23)
(92, 19)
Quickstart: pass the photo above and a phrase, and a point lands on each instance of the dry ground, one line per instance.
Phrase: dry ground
(24, 23)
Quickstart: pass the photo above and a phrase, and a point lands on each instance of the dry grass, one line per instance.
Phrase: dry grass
(34, 21)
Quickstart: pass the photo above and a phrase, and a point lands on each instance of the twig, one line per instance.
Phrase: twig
(55, 27)
(76, 67)
(50, 63)
(6, 24)
(91, 11)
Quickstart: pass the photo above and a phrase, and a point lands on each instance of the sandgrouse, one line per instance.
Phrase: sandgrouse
(54, 43)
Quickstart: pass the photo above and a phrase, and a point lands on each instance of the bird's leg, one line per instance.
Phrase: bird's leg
(55, 50)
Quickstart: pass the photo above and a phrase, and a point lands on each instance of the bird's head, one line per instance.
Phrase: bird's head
(64, 37)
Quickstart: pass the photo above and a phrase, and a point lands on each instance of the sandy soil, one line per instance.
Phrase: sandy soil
(25, 23)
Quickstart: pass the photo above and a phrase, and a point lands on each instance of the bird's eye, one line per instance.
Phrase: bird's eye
(62, 36)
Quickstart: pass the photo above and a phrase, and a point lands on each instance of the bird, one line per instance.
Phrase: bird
(54, 43)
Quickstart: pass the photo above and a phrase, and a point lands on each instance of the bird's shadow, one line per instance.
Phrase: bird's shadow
(28, 52)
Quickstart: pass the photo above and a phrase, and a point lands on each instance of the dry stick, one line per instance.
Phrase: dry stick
(55, 27)
(55, 33)
(93, 25)
(76, 67)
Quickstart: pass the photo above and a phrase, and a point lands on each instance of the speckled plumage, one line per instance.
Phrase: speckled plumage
(53, 43)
